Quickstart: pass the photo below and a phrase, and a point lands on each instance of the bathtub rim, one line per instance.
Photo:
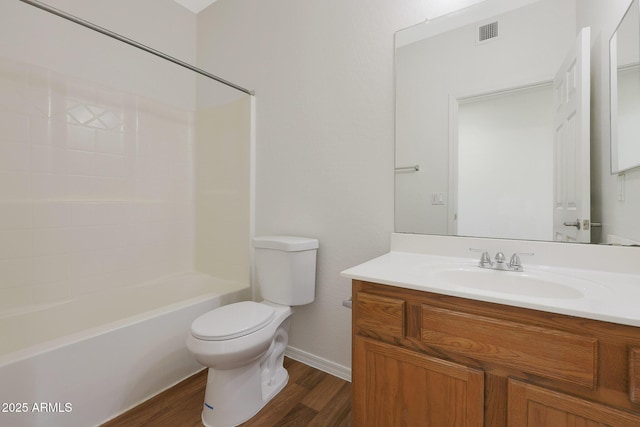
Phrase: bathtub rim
(15, 356)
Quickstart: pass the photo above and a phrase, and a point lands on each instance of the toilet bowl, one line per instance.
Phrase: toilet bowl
(245, 362)
(243, 344)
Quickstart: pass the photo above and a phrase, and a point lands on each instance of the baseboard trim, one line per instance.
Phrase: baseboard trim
(317, 362)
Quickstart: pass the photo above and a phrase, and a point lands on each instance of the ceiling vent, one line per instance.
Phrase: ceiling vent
(487, 32)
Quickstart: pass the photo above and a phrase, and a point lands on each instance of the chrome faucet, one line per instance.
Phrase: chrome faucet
(500, 263)
(485, 259)
(514, 262)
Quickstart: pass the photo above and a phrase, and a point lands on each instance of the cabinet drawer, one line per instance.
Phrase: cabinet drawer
(378, 314)
(634, 374)
(536, 350)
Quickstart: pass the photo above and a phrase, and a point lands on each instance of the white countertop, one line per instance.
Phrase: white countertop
(607, 296)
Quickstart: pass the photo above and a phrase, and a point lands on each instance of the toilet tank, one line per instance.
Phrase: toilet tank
(286, 268)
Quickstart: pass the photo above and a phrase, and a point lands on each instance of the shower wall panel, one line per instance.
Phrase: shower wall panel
(95, 187)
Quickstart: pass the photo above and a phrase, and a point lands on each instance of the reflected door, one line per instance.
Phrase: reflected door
(572, 201)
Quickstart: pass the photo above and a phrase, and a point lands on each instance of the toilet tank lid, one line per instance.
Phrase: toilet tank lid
(285, 243)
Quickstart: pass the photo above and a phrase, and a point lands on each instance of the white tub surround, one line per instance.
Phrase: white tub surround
(607, 278)
(101, 200)
(91, 358)
(95, 187)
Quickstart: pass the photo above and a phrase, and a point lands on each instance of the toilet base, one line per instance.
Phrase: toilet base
(271, 388)
(233, 397)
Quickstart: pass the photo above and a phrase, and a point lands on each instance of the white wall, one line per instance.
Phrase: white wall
(323, 76)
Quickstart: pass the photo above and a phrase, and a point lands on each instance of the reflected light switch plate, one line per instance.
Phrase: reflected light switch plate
(437, 198)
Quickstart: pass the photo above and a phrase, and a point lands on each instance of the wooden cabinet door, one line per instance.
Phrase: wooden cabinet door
(393, 386)
(533, 406)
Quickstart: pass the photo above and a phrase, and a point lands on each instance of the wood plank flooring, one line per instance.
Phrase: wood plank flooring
(311, 398)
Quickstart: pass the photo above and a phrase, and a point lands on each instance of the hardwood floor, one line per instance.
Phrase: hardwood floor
(311, 398)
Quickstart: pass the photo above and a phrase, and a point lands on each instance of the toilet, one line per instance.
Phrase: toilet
(243, 343)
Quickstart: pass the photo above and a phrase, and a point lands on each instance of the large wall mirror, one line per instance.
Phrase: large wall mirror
(494, 120)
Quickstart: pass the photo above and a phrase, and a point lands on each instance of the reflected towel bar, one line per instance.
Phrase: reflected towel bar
(415, 168)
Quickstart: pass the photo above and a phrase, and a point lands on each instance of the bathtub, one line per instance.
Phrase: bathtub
(81, 362)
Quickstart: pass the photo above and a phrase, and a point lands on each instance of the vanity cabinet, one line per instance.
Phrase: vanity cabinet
(426, 359)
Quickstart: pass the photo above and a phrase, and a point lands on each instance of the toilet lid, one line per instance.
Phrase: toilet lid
(232, 321)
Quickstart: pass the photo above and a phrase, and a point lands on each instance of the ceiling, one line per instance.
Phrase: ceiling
(195, 6)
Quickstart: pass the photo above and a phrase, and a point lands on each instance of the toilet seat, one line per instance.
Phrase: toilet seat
(232, 321)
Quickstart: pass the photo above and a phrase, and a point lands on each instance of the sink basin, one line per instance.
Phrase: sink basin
(532, 283)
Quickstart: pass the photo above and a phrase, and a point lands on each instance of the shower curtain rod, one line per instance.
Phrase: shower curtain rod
(133, 43)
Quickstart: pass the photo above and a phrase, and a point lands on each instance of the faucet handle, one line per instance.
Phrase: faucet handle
(485, 259)
(500, 258)
(515, 263)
